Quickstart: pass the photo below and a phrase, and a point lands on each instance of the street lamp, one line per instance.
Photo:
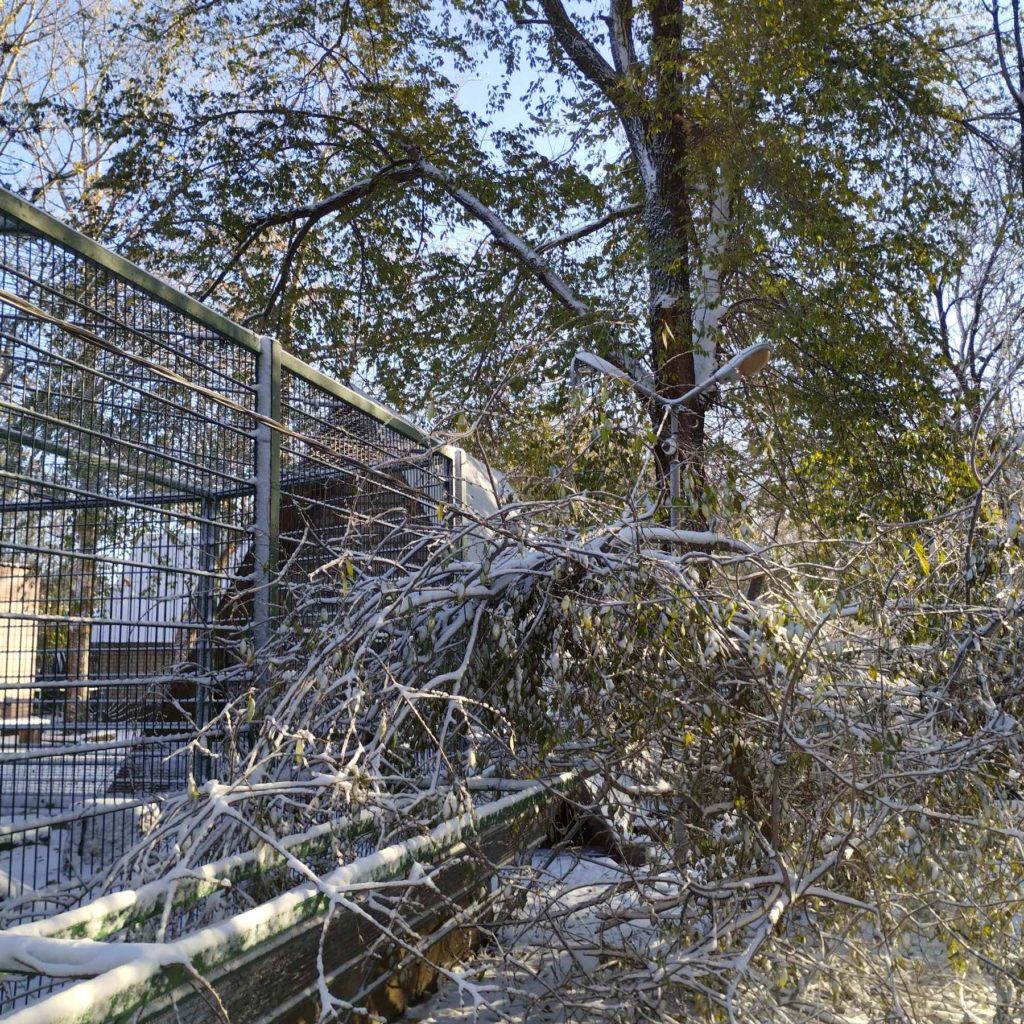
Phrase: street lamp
(746, 364)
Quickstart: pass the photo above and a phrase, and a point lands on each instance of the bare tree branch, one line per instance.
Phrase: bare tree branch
(402, 172)
(1004, 66)
(399, 172)
(1016, 91)
(588, 229)
(1018, 46)
(295, 244)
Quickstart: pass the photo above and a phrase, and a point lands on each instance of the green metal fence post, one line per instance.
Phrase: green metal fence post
(267, 513)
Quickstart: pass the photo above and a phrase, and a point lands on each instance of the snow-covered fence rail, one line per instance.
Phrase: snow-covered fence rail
(159, 464)
(367, 934)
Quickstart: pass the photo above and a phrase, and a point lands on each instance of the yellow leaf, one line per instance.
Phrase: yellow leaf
(922, 558)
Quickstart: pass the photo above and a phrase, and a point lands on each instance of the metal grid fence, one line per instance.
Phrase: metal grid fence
(341, 458)
(147, 494)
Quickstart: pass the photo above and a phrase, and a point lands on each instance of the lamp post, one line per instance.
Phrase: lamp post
(746, 364)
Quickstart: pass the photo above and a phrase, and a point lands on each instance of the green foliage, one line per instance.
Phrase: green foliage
(829, 123)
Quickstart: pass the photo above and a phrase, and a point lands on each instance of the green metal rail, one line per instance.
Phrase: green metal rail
(261, 965)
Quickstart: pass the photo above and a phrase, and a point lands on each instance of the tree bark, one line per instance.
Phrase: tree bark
(76, 697)
(668, 218)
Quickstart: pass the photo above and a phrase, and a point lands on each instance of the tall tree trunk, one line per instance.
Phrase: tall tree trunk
(668, 216)
(672, 349)
(83, 584)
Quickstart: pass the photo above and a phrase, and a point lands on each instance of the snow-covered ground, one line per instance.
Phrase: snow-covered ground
(537, 971)
(529, 982)
(69, 810)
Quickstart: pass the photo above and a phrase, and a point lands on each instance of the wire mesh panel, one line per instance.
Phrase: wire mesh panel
(138, 518)
(351, 482)
(126, 463)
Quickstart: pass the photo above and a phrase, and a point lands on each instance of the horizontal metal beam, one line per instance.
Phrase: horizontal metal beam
(120, 500)
(146, 449)
(49, 227)
(384, 415)
(93, 460)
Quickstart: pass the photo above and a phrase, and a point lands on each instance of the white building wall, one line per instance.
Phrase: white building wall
(149, 597)
(485, 491)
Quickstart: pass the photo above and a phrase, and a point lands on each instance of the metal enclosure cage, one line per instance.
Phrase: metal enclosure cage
(157, 463)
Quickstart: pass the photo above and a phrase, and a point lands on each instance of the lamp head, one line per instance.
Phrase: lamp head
(755, 362)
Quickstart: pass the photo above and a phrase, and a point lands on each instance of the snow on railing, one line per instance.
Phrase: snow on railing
(326, 918)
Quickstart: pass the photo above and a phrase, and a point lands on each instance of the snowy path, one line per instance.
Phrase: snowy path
(528, 984)
(538, 979)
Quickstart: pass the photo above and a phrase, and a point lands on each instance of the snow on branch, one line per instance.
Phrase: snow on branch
(703, 539)
(584, 230)
(505, 237)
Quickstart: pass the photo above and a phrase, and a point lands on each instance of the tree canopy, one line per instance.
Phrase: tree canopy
(450, 199)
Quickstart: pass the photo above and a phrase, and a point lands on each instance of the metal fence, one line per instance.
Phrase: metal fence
(158, 463)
